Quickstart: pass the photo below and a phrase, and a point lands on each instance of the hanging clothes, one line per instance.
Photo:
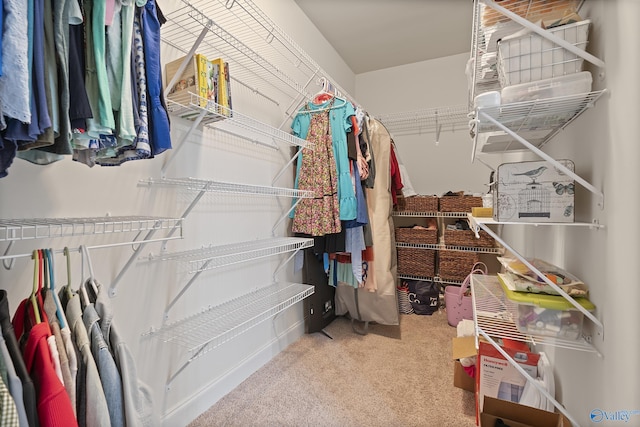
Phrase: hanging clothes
(317, 172)
(92, 406)
(340, 112)
(138, 403)
(377, 301)
(15, 82)
(28, 388)
(14, 384)
(54, 406)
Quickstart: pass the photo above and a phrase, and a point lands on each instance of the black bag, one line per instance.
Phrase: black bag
(424, 296)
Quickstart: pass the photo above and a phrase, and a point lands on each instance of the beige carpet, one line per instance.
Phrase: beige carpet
(393, 376)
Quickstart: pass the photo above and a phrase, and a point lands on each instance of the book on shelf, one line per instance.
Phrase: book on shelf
(221, 85)
(207, 80)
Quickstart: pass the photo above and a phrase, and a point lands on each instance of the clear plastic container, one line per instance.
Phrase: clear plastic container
(571, 84)
(547, 315)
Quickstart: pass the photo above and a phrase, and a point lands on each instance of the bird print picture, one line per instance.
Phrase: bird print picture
(534, 192)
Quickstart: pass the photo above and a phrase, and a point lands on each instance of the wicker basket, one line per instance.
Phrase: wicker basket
(421, 204)
(468, 238)
(416, 235)
(459, 203)
(416, 262)
(455, 265)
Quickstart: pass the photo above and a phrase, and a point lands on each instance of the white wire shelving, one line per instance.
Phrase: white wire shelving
(199, 260)
(483, 223)
(436, 279)
(495, 313)
(429, 214)
(233, 122)
(261, 56)
(444, 247)
(426, 120)
(44, 228)
(212, 186)
(213, 327)
(536, 121)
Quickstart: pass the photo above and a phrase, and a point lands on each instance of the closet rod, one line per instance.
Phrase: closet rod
(109, 245)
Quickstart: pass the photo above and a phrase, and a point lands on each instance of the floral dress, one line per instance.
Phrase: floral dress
(319, 215)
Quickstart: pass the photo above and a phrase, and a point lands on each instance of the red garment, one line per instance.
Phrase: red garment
(396, 179)
(54, 405)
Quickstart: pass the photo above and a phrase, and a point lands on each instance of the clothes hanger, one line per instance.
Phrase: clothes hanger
(83, 291)
(43, 279)
(324, 94)
(36, 277)
(52, 288)
(67, 287)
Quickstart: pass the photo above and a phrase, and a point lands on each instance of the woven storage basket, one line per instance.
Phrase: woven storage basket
(468, 238)
(459, 203)
(416, 262)
(455, 265)
(421, 204)
(416, 235)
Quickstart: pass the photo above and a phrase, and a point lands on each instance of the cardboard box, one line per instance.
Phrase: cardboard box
(534, 192)
(463, 347)
(461, 379)
(496, 377)
(187, 84)
(516, 415)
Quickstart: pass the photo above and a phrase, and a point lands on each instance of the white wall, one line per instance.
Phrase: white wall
(69, 189)
(433, 168)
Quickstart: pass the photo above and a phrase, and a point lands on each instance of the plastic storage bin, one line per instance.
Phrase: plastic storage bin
(532, 57)
(571, 84)
(547, 315)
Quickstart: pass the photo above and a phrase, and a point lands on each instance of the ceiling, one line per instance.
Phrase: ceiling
(375, 34)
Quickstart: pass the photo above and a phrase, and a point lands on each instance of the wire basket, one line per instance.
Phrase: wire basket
(532, 57)
(416, 262)
(455, 265)
(421, 204)
(416, 235)
(459, 203)
(468, 238)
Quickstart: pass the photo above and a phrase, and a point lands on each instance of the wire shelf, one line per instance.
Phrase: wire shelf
(224, 255)
(42, 228)
(219, 324)
(442, 247)
(495, 314)
(431, 279)
(225, 120)
(261, 56)
(237, 33)
(426, 120)
(475, 222)
(430, 214)
(537, 121)
(194, 184)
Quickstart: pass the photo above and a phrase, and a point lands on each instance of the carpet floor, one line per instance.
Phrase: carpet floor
(392, 376)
